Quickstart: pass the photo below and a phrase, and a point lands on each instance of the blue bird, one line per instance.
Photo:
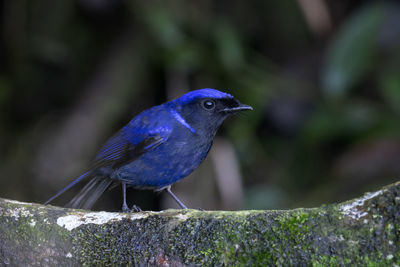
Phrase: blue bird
(158, 147)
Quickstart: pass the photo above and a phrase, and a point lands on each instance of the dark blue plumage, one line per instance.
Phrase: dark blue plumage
(158, 147)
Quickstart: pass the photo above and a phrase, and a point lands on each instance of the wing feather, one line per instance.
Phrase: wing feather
(118, 151)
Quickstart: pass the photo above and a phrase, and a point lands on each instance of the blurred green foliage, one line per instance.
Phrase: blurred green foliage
(325, 124)
(351, 54)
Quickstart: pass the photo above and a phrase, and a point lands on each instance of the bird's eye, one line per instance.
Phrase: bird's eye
(208, 104)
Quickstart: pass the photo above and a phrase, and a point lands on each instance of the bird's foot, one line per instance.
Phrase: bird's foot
(135, 209)
(125, 208)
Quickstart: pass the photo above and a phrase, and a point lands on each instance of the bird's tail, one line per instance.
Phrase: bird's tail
(90, 193)
(80, 178)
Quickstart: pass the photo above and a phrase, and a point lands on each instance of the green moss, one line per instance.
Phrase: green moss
(325, 261)
(294, 224)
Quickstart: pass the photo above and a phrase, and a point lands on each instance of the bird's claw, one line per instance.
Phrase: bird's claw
(135, 209)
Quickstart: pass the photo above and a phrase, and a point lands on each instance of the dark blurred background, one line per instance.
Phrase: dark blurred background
(323, 77)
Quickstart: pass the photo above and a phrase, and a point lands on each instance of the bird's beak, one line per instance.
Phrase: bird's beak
(241, 107)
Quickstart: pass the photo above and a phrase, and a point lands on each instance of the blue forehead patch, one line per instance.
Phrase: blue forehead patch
(203, 93)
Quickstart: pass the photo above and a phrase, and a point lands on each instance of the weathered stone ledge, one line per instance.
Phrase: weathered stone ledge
(359, 232)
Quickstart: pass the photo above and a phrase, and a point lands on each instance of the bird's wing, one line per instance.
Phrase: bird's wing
(119, 150)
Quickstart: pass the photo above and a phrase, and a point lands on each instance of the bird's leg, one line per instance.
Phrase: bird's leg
(124, 205)
(175, 198)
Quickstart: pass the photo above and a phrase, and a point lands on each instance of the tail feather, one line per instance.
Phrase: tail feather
(90, 193)
(80, 178)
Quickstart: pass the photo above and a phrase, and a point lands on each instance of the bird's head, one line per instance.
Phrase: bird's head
(204, 110)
